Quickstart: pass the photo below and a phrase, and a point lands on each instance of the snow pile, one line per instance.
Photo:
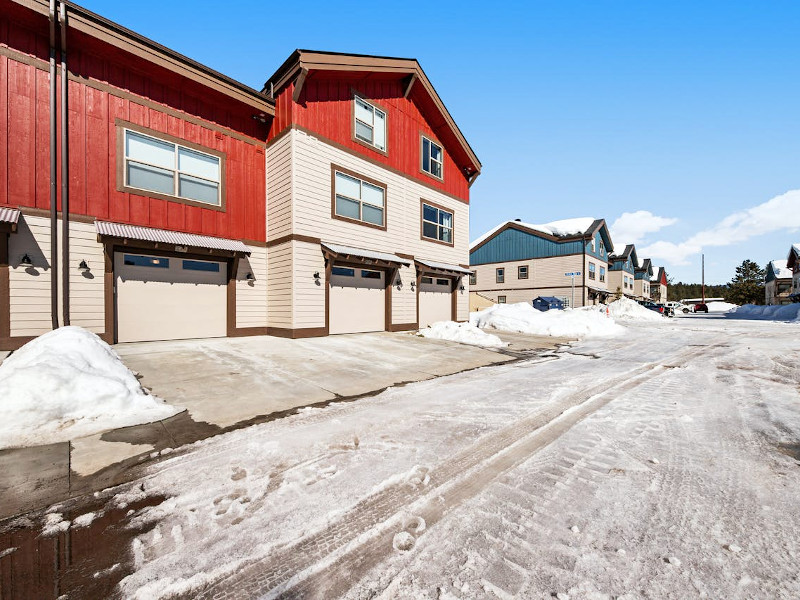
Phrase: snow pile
(562, 228)
(523, 318)
(69, 383)
(464, 333)
(626, 309)
(785, 312)
(720, 307)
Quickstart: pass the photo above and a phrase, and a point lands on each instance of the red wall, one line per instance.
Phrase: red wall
(325, 107)
(25, 136)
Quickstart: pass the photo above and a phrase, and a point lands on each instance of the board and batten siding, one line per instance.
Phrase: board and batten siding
(251, 295)
(513, 244)
(311, 216)
(29, 286)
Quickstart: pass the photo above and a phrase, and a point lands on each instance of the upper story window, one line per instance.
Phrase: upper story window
(358, 199)
(522, 272)
(369, 124)
(473, 278)
(602, 273)
(500, 275)
(602, 248)
(592, 271)
(437, 223)
(593, 244)
(170, 170)
(432, 158)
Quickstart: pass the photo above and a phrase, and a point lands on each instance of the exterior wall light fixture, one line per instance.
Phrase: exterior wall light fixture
(250, 277)
(316, 278)
(26, 260)
(83, 266)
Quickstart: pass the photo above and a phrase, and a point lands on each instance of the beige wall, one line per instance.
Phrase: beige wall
(251, 295)
(404, 300)
(30, 286)
(641, 288)
(279, 188)
(770, 290)
(279, 286)
(308, 298)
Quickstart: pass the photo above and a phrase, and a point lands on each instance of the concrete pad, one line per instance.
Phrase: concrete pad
(33, 477)
(91, 454)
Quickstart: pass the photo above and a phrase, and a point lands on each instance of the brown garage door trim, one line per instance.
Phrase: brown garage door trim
(426, 271)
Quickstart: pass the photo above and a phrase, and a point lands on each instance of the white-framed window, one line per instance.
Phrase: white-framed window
(593, 244)
(162, 167)
(500, 275)
(592, 271)
(501, 299)
(437, 224)
(522, 272)
(359, 200)
(473, 278)
(602, 272)
(369, 124)
(432, 158)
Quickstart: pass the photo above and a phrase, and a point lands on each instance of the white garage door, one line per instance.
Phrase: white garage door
(435, 300)
(357, 300)
(160, 298)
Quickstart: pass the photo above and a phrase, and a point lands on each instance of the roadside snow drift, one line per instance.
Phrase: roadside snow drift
(523, 318)
(720, 307)
(464, 333)
(626, 309)
(66, 384)
(786, 312)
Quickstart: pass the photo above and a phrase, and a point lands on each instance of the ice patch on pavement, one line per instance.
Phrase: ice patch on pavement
(776, 312)
(464, 333)
(66, 384)
(523, 318)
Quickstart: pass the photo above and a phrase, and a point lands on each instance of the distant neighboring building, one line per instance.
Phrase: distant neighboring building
(658, 286)
(793, 263)
(622, 272)
(516, 262)
(778, 283)
(641, 280)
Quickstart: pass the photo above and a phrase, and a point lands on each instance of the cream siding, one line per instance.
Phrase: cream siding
(29, 286)
(308, 294)
(279, 286)
(251, 295)
(279, 188)
(404, 300)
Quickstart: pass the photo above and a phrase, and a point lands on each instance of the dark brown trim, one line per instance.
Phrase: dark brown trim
(248, 331)
(122, 125)
(497, 275)
(353, 93)
(293, 237)
(405, 256)
(370, 159)
(328, 269)
(304, 332)
(435, 140)
(255, 243)
(109, 294)
(43, 212)
(344, 171)
(280, 135)
(450, 211)
(125, 95)
(5, 289)
(15, 343)
(298, 84)
(230, 308)
(527, 271)
(411, 80)
(389, 273)
(403, 327)
(454, 298)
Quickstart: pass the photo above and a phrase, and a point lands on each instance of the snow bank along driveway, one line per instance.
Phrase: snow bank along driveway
(624, 468)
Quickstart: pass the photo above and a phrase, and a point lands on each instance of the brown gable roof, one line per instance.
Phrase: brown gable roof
(301, 62)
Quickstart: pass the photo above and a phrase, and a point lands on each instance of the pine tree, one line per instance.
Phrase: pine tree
(747, 286)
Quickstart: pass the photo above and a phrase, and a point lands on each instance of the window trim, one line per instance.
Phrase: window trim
(345, 171)
(519, 271)
(422, 221)
(364, 98)
(500, 278)
(122, 125)
(473, 278)
(592, 271)
(502, 299)
(424, 136)
(602, 275)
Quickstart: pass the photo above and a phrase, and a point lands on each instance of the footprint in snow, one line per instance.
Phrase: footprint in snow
(403, 541)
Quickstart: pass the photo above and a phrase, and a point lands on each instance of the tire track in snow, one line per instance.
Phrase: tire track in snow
(325, 563)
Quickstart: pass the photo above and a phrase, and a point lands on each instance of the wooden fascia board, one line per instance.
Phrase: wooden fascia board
(118, 36)
(411, 80)
(298, 86)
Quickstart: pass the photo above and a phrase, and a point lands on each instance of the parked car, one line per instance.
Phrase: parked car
(544, 303)
(701, 308)
(659, 308)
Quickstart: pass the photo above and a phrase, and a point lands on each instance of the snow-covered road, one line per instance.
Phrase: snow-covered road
(663, 463)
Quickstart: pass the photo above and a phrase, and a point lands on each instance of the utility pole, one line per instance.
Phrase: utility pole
(703, 267)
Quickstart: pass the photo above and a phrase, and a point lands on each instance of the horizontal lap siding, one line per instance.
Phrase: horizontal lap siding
(279, 190)
(251, 295)
(279, 285)
(308, 297)
(542, 272)
(404, 300)
(596, 281)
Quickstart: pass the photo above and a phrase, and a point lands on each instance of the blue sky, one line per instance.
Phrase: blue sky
(685, 114)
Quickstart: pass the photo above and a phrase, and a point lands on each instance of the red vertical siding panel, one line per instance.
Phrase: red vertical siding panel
(119, 206)
(98, 138)
(5, 140)
(41, 123)
(21, 115)
(76, 130)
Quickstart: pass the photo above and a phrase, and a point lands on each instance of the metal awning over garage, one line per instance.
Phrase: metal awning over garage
(9, 217)
(597, 290)
(181, 242)
(359, 255)
(437, 268)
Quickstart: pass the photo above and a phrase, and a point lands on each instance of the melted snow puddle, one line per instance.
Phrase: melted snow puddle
(81, 553)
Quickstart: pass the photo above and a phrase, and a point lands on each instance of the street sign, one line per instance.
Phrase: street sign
(575, 274)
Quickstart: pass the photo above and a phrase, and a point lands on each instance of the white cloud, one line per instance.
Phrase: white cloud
(781, 213)
(632, 227)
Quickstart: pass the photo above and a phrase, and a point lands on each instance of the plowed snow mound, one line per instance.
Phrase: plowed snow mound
(626, 309)
(464, 333)
(787, 312)
(66, 384)
(523, 318)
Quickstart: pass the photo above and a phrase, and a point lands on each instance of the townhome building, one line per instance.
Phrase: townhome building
(145, 196)
(641, 280)
(622, 272)
(516, 261)
(793, 263)
(658, 286)
(777, 283)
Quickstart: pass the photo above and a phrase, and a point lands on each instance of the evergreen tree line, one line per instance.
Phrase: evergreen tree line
(746, 287)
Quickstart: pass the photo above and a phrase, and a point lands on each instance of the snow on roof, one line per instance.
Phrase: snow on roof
(780, 269)
(562, 228)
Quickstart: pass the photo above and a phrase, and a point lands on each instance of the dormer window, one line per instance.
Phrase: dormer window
(602, 248)
(369, 124)
(432, 158)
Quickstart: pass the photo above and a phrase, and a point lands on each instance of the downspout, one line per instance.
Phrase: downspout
(64, 165)
(53, 174)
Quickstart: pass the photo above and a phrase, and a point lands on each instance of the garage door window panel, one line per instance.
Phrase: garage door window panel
(358, 199)
(201, 265)
(343, 272)
(159, 166)
(138, 260)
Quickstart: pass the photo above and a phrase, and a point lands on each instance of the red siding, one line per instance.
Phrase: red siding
(25, 137)
(326, 106)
